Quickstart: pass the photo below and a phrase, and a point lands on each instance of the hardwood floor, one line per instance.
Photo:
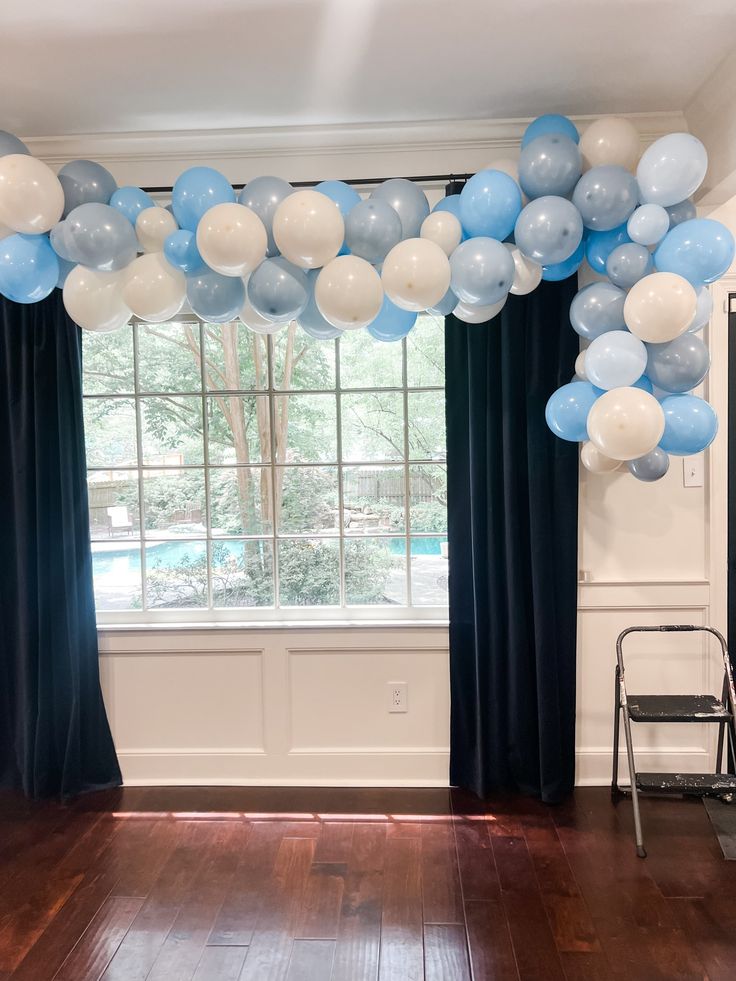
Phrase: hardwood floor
(259, 884)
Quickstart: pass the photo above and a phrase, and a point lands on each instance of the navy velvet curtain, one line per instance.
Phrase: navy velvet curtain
(54, 736)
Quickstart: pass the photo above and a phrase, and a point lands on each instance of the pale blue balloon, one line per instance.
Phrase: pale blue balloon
(451, 203)
(180, 249)
(408, 200)
(605, 197)
(567, 410)
(679, 365)
(701, 250)
(549, 230)
(703, 310)
(130, 201)
(615, 359)
(682, 211)
(99, 237)
(372, 229)
(392, 323)
(596, 309)
(599, 245)
(550, 123)
(446, 305)
(490, 203)
(11, 144)
(61, 242)
(278, 290)
(65, 267)
(481, 271)
(653, 466)
(648, 224)
(627, 264)
(562, 270)
(344, 196)
(550, 164)
(263, 195)
(196, 191)
(311, 320)
(29, 268)
(642, 383)
(671, 169)
(85, 182)
(216, 299)
(690, 425)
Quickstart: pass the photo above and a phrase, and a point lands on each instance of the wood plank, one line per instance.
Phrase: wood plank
(441, 896)
(100, 940)
(311, 960)
(476, 864)
(320, 913)
(220, 964)
(359, 931)
(402, 953)
(334, 842)
(489, 942)
(445, 953)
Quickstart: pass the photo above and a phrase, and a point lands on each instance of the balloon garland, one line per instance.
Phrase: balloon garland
(333, 262)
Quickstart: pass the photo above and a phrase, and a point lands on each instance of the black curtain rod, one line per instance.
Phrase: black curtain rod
(448, 178)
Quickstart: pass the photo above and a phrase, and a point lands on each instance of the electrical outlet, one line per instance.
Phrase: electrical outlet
(398, 693)
(693, 470)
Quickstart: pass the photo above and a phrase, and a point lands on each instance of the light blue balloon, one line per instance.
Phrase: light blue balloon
(690, 425)
(446, 305)
(392, 323)
(701, 250)
(99, 237)
(311, 320)
(550, 123)
(653, 466)
(216, 299)
(490, 203)
(596, 309)
(615, 359)
(648, 224)
(682, 211)
(65, 267)
(481, 271)
(599, 245)
(451, 203)
(567, 410)
(562, 270)
(130, 201)
(180, 249)
(549, 230)
(11, 144)
(679, 365)
(627, 264)
(85, 182)
(196, 191)
(671, 169)
(372, 229)
(703, 310)
(278, 289)
(29, 268)
(263, 195)
(408, 200)
(605, 197)
(550, 164)
(344, 196)
(644, 384)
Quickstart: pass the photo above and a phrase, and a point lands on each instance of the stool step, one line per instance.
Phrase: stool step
(699, 784)
(677, 708)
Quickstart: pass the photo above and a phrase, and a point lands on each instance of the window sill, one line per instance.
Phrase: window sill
(287, 625)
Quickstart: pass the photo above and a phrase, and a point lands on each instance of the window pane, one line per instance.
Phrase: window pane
(237, 358)
(367, 363)
(108, 362)
(373, 500)
(109, 432)
(172, 430)
(429, 574)
(309, 572)
(425, 352)
(375, 572)
(426, 426)
(113, 504)
(242, 574)
(116, 567)
(238, 429)
(373, 426)
(168, 358)
(176, 575)
(300, 361)
(240, 501)
(309, 503)
(174, 504)
(306, 428)
(428, 505)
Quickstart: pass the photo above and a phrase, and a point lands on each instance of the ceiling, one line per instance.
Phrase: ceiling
(151, 65)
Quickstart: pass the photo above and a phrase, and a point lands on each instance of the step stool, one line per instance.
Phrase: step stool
(673, 708)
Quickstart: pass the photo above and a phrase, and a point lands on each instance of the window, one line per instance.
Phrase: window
(238, 476)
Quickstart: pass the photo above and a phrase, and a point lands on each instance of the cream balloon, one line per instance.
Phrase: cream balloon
(610, 140)
(527, 273)
(444, 229)
(478, 315)
(308, 229)
(348, 292)
(153, 289)
(232, 239)
(258, 324)
(660, 307)
(153, 226)
(31, 195)
(625, 423)
(416, 274)
(580, 365)
(595, 461)
(94, 300)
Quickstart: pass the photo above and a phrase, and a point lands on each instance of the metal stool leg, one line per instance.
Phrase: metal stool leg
(616, 793)
(640, 851)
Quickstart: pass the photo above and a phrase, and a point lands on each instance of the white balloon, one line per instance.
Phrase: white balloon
(308, 229)
(443, 228)
(416, 274)
(625, 423)
(580, 366)
(478, 315)
(153, 289)
(527, 273)
(232, 239)
(595, 461)
(153, 226)
(31, 195)
(94, 300)
(660, 307)
(258, 324)
(348, 292)
(610, 140)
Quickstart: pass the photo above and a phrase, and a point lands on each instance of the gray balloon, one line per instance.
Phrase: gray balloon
(682, 211)
(263, 195)
(99, 237)
(606, 196)
(653, 466)
(550, 164)
(628, 263)
(408, 200)
(11, 144)
(679, 365)
(372, 229)
(85, 182)
(278, 290)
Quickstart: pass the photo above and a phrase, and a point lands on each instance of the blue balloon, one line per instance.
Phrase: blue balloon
(11, 144)
(682, 211)
(490, 203)
(130, 201)
(648, 224)
(263, 195)
(605, 197)
(690, 425)
(596, 309)
(392, 323)
(679, 365)
(278, 290)
(599, 245)
(97, 236)
(196, 191)
(29, 268)
(700, 250)
(481, 271)
(671, 169)
(652, 466)
(644, 384)
(408, 200)
(311, 320)
(446, 305)
(216, 299)
(567, 410)
(372, 229)
(180, 249)
(451, 203)
(549, 230)
(627, 264)
(65, 267)
(550, 123)
(550, 164)
(85, 182)
(344, 196)
(562, 270)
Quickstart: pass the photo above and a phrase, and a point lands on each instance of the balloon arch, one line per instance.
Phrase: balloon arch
(333, 262)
